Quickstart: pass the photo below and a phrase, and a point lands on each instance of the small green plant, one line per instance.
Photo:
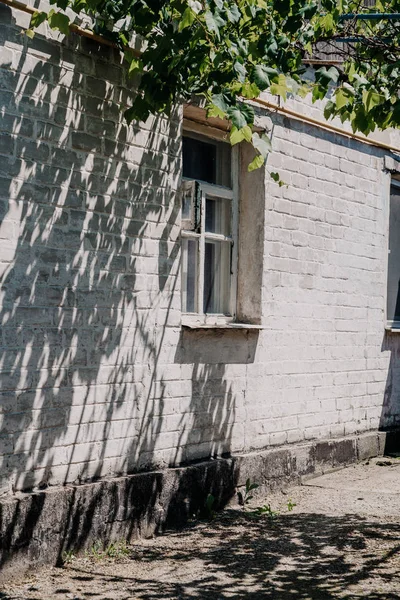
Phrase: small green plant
(95, 551)
(209, 507)
(291, 505)
(245, 497)
(266, 511)
(114, 550)
(117, 550)
(67, 557)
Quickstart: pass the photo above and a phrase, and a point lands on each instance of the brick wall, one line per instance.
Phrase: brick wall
(326, 364)
(96, 376)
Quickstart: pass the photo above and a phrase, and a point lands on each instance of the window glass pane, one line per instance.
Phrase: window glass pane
(187, 201)
(207, 161)
(217, 274)
(218, 215)
(189, 275)
(199, 160)
(393, 292)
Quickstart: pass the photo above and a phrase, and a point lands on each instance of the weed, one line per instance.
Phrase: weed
(267, 511)
(117, 550)
(67, 557)
(95, 551)
(291, 505)
(114, 550)
(245, 497)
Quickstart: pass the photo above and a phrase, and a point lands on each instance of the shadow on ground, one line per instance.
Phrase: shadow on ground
(238, 556)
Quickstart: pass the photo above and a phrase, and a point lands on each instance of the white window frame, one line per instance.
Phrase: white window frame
(232, 194)
(390, 324)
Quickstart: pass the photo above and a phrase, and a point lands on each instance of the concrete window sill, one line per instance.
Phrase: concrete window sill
(393, 327)
(194, 323)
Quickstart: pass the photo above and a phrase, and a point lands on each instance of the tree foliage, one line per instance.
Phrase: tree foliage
(230, 51)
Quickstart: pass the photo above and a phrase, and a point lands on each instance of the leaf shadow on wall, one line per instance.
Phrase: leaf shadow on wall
(90, 306)
(91, 382)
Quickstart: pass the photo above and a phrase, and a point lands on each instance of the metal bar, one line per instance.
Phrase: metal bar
(369, 16)
(218, 237)
(362, 38)
(190, 235)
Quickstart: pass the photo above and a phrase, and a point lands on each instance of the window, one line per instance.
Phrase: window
(209, 228)
(393, 280)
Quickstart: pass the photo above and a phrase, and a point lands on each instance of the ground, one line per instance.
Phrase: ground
(341, 540)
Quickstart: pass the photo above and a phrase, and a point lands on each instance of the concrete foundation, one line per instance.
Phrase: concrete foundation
(38, 528)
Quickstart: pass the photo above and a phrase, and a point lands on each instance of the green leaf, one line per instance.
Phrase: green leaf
(213, 22)
(280, 88)
(59, 21)
(256, 163)
(329, 109)
(233, 13)
(187, 20)
(195, 5)
(341, 98)
(37, 19)
(79, 6)
(63, 4)
(326, 76)
(272, 48)
(262, 144)
(219, 102)
(29, 33)
(248, 112)
(240, 71)
(327, 23)
(250, 90)
(238, 135)
(247, 132)
(360, 122)
(237, 117)
(260, 76)
(350, 70)
(135, 66)
(371, 99)
(276, 177)
(318, 93)
(214, 111)
(304, 90)
(241, 115)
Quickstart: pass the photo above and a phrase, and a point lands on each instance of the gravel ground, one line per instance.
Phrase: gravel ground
(340, 541)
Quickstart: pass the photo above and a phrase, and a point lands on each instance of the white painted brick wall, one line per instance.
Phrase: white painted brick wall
(96, 376)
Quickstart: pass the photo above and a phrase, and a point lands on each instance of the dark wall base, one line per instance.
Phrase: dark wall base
(37, 528)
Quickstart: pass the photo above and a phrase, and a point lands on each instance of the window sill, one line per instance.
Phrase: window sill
(193, 322)
(393, 326)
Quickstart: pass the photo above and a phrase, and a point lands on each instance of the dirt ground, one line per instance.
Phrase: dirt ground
(341, 540)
